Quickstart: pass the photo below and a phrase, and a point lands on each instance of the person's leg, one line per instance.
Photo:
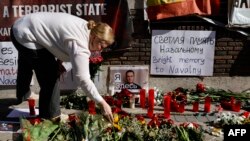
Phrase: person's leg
(24, 77)
(24, 71)
(46, 70)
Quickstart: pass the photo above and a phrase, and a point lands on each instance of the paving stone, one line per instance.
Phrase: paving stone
(211, 118)
(180, 118)
(201, 118)
(191, 119)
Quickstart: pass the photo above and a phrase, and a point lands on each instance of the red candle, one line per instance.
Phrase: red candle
(32, 104)
(232, 102)
(91, 105)
(237, 106)
(142, 98)
(151, 103)
(167, 104)
(207, 104)
(195, 106)
(182, 107)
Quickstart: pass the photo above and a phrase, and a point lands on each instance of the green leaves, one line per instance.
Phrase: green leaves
(182, 134)
(37, 132)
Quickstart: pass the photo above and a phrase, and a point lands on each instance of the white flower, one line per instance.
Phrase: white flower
(158, 102)
(241, 118)
(217, 120)
(64, 118)
(233, 116)
(109, 124)
(190, 125)
(222, 115)
(228, 115)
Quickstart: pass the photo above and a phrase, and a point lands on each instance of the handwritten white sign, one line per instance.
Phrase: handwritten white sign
(182, 52)
(8, 63)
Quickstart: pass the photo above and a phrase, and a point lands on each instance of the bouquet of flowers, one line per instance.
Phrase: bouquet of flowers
(84, 126)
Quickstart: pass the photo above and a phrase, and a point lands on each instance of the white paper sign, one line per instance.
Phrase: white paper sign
(8, 63)
(182, 52)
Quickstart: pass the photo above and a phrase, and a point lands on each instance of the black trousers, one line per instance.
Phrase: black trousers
(46, 68)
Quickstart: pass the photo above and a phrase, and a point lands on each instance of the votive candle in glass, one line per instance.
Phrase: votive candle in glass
(167, 108)
(237, 106)
(32, 104)
(182, 107)
(151, 103)
(207, 104)
(142, 98)
(232, 103)
(195, 106)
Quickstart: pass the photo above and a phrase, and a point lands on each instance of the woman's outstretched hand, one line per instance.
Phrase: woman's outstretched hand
(106, 111)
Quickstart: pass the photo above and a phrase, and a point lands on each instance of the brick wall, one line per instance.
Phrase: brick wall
(232, 49)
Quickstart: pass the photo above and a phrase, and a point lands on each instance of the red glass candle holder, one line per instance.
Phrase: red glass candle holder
(142, 98)
(195, 106)
(151, 103)
(32, 104)
(237, 106)
(232, 100)
(91, 105)
(167, 108)
(207, 104)
(182, 107)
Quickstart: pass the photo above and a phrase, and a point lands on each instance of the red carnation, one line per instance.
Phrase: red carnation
(200, 87)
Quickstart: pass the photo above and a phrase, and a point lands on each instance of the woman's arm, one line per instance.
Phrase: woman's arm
(80, 64)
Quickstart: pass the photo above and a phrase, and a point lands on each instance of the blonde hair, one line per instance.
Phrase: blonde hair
(102, 30)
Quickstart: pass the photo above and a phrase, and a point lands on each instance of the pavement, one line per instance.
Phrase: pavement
(9, 121)
(11, 132)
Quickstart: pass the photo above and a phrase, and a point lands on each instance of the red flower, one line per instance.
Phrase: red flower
(227, 105)
(167, 122)
(116, 110)
(154, 122)
(96, 60)
(94, 65)
(170, 121)
(200, 87)
(246, 114)
(109, 130)
(140, 118)
(118, 103)
(190, 125)
(34, 121)
(72, 117)
(109, 100)
(219, 108)
(123, 114)
(125, 93)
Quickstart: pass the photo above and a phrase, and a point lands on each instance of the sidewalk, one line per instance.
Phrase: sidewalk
(187, 116)
(6, 107)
